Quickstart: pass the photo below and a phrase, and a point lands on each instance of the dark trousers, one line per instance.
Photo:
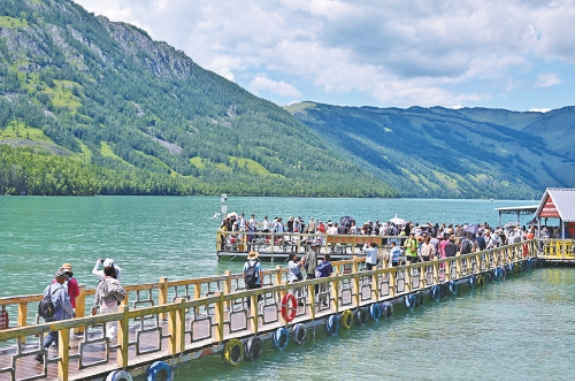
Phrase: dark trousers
(312, 276)
(248, 303)
(370, 266)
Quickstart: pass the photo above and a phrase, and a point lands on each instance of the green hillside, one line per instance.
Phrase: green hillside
(104, 95)
(438, 152)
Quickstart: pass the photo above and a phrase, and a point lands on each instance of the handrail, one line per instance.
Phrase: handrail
(216, 311)
(224, 283)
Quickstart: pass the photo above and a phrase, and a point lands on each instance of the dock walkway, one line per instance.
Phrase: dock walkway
(180, 321)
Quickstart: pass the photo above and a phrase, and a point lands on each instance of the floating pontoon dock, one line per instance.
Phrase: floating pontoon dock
(169, 323)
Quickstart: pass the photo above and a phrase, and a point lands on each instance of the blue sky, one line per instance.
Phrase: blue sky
(517, 55)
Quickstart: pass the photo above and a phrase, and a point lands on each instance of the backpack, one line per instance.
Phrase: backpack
(46, 308)
(250, 275)
(465, 246)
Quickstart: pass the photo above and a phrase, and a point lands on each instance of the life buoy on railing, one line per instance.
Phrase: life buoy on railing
(280, 339)
(253, 348)
(332, 325)
(471, 281)
(361, 316)
(410, 301)
(375, 310)
(453, 287)
(387, 308)
(159, 370)
(119, 375)
(299, 333)
(347, 319)
(233, 352)
(435, 292)
(289, 307)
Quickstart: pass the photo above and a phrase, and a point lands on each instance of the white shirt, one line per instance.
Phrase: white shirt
(333, 230)
(265, 224)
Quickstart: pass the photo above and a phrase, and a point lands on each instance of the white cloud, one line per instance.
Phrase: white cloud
(543, 110)
(397, 53)
(261, 83)
(546, 80)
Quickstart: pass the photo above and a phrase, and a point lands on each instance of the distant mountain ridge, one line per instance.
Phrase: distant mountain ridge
(440, 152)
(105, 93)
(90, 106)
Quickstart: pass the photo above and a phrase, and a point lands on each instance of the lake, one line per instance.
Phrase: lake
(523, 328)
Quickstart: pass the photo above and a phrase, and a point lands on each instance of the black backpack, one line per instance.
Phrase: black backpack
(465, 246)
(46, 308)
(250, 275)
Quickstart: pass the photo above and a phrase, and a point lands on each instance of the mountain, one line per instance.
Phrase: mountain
(440, 152)
(129, 115)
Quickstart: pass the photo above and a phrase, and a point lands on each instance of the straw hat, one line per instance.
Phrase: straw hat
(252, 255)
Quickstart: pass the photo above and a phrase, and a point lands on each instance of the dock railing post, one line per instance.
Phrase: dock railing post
(176, 327)
(227, 287)
(122, 351)
(163, 295)
(254, 309)
(63, 352)
(272, 244)
(312, 299)
(22, 314)
(334, 302)
(80, 307)
(219, 318)
(197, 291)
(355, 282)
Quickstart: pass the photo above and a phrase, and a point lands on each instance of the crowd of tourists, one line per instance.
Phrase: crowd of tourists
(59, 299)
(418, 241)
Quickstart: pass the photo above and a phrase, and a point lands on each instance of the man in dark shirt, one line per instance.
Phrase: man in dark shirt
(480, 241)
(451, 248)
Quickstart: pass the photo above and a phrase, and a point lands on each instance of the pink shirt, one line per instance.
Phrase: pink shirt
(442, 245)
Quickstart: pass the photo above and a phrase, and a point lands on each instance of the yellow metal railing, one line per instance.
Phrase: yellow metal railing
(210, 319)
(557, 249)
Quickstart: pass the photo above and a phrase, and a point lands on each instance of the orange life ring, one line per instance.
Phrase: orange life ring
(287, 315)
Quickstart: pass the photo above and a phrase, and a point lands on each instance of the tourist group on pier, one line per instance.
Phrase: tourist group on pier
(405, 240)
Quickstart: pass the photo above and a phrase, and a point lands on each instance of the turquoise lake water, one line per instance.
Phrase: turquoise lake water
(521, 329)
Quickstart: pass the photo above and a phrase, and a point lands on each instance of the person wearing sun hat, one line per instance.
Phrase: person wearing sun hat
(71, 285)
(108, 262)
(253, 278)
(62, 310)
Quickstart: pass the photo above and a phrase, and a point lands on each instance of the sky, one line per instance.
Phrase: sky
(517, 55)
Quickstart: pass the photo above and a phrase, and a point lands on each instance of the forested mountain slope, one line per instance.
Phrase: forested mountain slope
(101, 94)
(439, 152)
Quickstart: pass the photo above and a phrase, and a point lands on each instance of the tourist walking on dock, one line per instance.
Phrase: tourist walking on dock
(71, 285)
(295, 274)
(480, 241)
(395, 256)
(371, 252)
(108, 262)
(311, 228)
(411, 246)
(324, 270)
(57, 294)
(108, 295)
(311, 262)
(427, 250)
(252, 274)
(450, 248)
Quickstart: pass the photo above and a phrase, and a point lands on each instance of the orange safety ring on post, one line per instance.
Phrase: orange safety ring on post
(289, 312)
